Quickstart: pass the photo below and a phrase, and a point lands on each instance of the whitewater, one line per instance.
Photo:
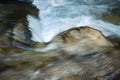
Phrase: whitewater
(56, 16)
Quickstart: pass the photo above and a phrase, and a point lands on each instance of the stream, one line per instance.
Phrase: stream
(60, 40)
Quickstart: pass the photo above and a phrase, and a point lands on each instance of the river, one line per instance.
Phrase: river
(60, 40)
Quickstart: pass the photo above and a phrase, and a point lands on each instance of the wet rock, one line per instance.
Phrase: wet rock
(83, 40)
(13, 24)
(64, 62)
(94, 67)
(15, 1)
(58, 60)
(4, 42)
(115, 40)
(21, 33)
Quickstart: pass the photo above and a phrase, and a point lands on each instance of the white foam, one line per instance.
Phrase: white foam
(57, 16)
(35, 75)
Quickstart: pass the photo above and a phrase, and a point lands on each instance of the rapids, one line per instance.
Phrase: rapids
(60, 40)
(56, 16)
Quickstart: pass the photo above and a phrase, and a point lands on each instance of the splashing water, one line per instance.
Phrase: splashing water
(56, 16)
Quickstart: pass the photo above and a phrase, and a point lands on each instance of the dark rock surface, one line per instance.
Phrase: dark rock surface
(14, 25)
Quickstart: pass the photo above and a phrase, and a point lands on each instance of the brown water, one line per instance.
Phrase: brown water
(18, 63)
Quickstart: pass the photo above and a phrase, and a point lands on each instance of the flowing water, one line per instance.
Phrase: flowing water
(69, 14)
(60, 40)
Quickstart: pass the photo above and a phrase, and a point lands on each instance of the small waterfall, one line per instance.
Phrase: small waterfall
(56, 16)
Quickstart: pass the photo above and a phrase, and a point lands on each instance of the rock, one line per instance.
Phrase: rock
(82, 40)
(13, 23)
(21, 33)
(95, 67)
(61, 59)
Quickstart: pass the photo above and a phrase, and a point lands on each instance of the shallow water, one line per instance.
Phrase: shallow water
(17, 62)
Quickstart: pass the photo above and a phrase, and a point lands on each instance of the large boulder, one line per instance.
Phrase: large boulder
(82, 40)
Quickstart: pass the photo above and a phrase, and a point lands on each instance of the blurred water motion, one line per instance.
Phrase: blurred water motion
(17, 62)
